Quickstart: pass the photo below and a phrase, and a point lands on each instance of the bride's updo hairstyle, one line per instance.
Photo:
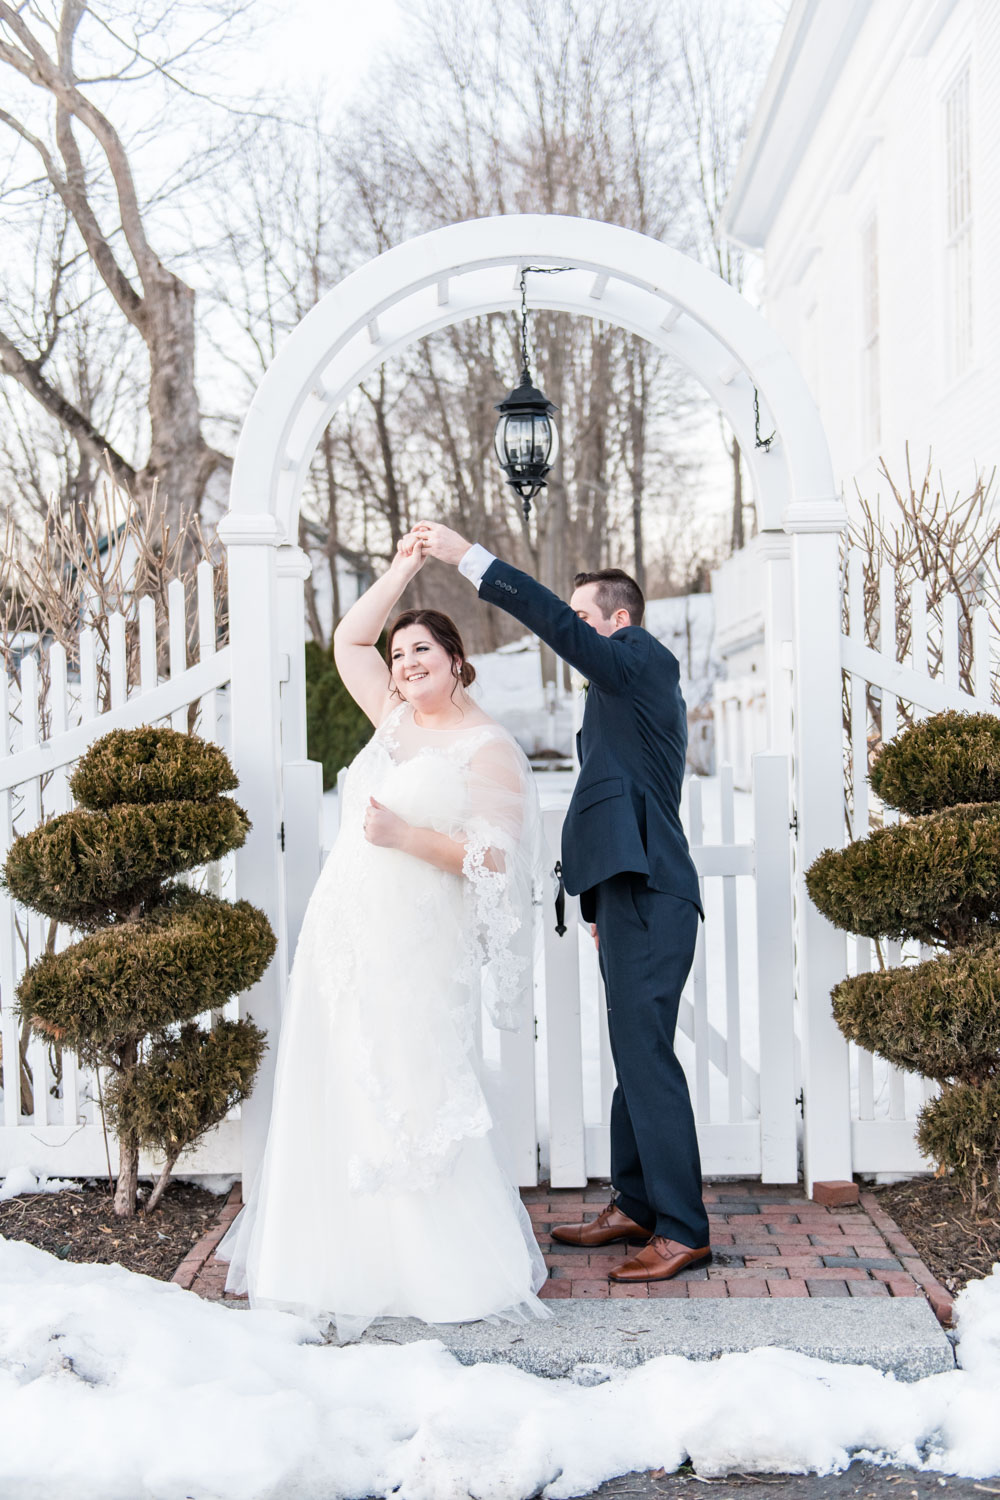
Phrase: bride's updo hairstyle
(444, 630)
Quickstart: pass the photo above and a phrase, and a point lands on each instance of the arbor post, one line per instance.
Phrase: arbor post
(301, 778)
(815, 528)
(251, 541)
(774, 551)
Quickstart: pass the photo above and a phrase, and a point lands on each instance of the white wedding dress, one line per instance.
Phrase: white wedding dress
(380, 1192)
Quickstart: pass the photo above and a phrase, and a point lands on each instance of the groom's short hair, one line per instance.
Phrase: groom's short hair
(615, 590)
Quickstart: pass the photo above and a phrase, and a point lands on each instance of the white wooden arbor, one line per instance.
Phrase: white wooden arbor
(463, 271)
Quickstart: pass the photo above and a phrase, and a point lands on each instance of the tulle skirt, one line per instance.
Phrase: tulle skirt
(380, 1192)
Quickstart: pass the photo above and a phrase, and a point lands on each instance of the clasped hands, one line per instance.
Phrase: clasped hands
(430, 539)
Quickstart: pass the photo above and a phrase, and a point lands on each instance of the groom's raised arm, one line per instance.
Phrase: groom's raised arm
(608, 661)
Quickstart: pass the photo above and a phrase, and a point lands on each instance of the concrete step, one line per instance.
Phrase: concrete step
(588, 1339)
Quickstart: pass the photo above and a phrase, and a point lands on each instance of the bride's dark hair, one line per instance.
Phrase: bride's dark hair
(444, 631)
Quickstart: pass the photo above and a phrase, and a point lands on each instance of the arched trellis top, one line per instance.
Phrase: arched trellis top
(470, 269)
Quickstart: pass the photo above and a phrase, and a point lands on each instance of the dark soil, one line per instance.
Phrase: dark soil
(82, 1226)
(952, 1241)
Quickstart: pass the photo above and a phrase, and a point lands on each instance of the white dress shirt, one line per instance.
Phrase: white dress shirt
(475, 562)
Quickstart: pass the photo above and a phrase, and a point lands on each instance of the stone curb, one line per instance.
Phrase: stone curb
(588, 1339)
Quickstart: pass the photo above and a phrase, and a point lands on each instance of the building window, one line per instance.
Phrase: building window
(870, 372)
(958, 223)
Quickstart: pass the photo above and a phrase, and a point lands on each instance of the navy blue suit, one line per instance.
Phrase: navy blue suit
(625, 855)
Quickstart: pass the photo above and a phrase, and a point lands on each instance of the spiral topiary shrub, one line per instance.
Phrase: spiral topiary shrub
(942, 762)
(155, 954)
(935, 879)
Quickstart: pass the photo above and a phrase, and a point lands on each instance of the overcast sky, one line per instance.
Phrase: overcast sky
(331, 41)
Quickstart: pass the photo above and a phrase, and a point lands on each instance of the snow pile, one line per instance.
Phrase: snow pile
(20, 1180)
(115, 1387)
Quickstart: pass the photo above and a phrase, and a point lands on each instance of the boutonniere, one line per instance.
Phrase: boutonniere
(578, 681)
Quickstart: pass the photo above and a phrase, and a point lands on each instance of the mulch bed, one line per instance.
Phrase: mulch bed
(956, 1244)
(81, 1226)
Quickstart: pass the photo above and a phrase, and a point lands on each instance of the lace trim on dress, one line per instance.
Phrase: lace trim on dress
(493, 922)
(421, 1156)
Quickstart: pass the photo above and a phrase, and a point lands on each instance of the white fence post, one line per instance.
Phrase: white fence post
(819, 808)
(775, 969)
(567, 1139)
(301, 778)
(774, 551)
(251, 542)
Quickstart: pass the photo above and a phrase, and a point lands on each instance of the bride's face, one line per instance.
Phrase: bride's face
(422, 670)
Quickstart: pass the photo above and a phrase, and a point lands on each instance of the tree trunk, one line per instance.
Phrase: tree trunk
(128, 1147)
(737, 538)
(180, 462)
(160, 1186)
(128, 1175)
(27, 1082)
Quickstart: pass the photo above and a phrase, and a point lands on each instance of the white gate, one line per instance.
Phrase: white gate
(51, 1110)
(735, 1031)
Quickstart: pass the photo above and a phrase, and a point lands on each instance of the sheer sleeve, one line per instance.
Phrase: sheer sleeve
(503, 870)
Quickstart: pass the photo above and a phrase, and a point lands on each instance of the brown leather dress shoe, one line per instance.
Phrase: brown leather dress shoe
(609, 1226)
(659, 1260)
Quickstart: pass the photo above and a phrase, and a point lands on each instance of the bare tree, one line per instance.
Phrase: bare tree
(717, 52)
(87, 187)
(948, 545)
(508, 107)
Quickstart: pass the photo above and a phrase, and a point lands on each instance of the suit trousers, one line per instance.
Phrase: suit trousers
(646, 946)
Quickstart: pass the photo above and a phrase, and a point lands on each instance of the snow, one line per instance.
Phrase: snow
(117, 1387)
(21, 1180)
(219, 1183)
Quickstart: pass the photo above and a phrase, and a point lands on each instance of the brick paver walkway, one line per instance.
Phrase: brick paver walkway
(767, 1242)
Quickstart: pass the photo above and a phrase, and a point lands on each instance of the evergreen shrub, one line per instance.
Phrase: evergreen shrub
(935, 879)
(942, 762)
(156, 954)
(83, 868)
(150, 765)
(336, 728)
(187, 1083)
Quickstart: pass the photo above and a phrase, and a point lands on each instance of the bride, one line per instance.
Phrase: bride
(380, 1192)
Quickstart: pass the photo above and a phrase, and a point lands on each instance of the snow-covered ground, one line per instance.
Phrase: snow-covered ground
(117, 1387)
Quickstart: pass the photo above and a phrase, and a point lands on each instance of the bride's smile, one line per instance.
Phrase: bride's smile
(426, 675)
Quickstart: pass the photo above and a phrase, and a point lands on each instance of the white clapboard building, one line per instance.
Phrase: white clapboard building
(869, 186)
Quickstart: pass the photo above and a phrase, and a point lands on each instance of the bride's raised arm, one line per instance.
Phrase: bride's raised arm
(355, 649)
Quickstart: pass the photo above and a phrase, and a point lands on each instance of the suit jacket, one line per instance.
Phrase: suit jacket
(625, 811)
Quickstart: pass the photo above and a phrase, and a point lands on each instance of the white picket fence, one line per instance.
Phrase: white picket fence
(885, 694)
(62, 1133)
(735, 1032)
(737, 1029)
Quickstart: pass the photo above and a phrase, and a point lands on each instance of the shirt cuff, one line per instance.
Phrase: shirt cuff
(475, 562)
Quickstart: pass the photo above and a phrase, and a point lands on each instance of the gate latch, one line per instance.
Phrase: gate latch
(560, 900)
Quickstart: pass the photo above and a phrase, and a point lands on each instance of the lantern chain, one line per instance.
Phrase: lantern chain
(535, 271)
(760, 442)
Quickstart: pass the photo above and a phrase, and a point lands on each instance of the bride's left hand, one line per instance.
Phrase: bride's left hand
(409, 557)
(383, 827)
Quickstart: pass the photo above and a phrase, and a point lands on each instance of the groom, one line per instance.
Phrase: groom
(624, 853)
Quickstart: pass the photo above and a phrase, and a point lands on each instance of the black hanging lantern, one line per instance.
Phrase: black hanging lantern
(526, 439)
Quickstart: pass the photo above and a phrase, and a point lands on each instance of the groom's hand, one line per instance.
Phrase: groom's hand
(441, 542)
